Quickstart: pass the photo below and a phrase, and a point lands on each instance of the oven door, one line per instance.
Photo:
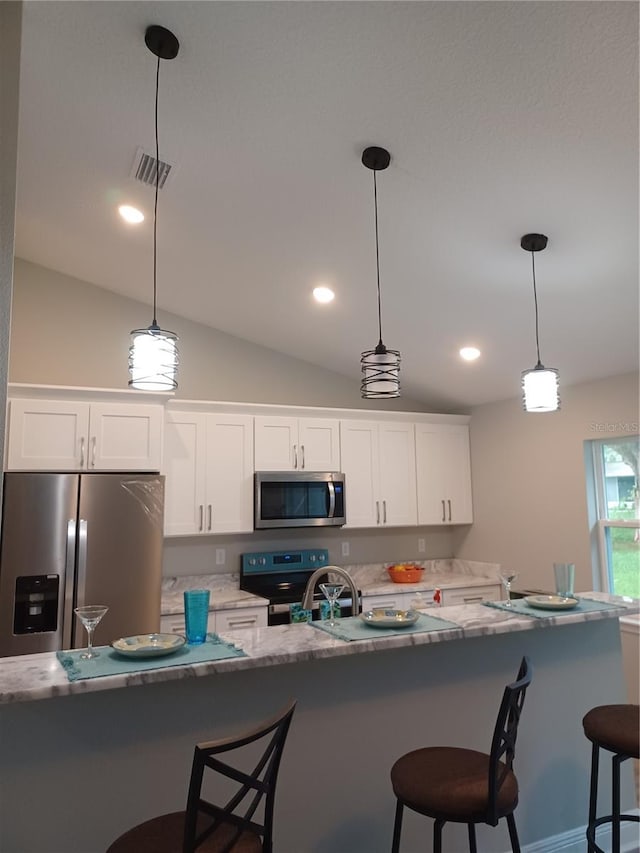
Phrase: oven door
(297, 499)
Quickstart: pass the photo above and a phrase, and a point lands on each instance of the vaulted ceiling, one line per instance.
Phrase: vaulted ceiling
(501, 119)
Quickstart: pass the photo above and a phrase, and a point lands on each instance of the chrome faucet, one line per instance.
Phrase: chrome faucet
(307, 598)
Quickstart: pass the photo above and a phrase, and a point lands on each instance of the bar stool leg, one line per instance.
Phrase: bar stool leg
(472, 838)
(615, 803)
(513, 833)
(593, 795)
(437, 836)
(397, 828)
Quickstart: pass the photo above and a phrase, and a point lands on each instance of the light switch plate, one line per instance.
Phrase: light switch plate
(421, 546)
(345, 549)
(221, 556)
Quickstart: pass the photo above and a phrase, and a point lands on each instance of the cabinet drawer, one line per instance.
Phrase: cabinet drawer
(400, 601)
(471, 595)
(241, 617)
(172, 624)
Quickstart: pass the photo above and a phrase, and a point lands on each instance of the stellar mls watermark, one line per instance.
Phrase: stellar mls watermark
(615, 426)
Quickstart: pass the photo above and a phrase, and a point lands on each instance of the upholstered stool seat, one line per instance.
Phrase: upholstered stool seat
(448, 783)
(615, 728)
(165, 834)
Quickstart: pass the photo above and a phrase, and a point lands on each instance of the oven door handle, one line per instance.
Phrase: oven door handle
(331, 512)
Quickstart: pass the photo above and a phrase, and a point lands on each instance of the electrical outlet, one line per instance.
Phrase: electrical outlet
(422, 547)
(345, 549)
(221, 556)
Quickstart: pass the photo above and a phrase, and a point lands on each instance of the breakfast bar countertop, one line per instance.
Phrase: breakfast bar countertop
(27, 678)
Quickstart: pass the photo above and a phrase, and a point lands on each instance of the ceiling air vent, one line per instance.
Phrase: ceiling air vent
(144, 169)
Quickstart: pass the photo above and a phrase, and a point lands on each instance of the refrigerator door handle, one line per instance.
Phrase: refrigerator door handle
(67, 620)
(81, 567)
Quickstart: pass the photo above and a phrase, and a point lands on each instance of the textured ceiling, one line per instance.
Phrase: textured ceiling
(501, 118)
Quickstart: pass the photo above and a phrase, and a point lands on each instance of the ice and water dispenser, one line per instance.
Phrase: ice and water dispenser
(36, 604)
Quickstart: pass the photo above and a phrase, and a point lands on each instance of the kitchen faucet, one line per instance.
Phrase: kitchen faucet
(307, 598)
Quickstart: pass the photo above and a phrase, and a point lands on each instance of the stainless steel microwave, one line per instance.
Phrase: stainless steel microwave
(298, 499)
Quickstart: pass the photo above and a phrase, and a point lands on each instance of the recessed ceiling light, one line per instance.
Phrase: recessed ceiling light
(130, 214)
(323, 294)
(469, 353)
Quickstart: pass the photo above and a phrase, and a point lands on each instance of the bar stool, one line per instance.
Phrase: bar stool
(456, 785)
(615, 728)
(233, 827)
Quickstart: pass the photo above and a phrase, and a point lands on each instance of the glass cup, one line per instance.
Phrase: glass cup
(196, 615)
(565, 576)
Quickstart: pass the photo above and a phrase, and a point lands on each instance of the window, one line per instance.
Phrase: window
(615, 467)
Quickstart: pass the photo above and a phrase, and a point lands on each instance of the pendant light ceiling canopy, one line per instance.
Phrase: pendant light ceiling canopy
(153, 353)
(540, 384)
(380, 366)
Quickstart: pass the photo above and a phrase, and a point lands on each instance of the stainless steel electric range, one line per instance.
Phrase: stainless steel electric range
(282, 576)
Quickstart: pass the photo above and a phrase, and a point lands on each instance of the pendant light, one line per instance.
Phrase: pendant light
(153, 354)
(380, 366)
(540, 384)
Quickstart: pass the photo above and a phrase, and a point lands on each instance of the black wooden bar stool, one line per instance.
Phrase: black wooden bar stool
(615, 728)
(463, 785)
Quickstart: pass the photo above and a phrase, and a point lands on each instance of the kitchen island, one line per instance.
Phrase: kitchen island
(91, 759)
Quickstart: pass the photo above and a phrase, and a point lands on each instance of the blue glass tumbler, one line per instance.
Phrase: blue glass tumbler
(196, 615)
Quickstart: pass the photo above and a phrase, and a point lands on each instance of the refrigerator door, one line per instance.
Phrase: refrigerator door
(120, 537)
(36, 561)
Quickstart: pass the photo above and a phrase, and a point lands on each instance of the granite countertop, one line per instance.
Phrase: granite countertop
(371, 579)
(32, 677)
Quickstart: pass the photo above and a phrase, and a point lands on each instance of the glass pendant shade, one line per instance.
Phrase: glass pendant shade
(540, 389)
(153, 359)
(380, 373)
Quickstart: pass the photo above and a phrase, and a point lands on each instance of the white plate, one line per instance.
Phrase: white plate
(381, 618)
(551, 602)
(148, 645)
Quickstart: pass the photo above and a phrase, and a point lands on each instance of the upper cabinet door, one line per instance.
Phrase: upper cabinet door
(47, 435)
(444, 474)
(229, 490)
(297, 444)
(184, 469)
(318, 444)
(125, 437)
(397, 492)
(360, 464)
(275, 440)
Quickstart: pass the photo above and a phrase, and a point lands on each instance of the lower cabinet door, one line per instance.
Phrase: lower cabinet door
(400, 601)
(471, 594)
(172, 624)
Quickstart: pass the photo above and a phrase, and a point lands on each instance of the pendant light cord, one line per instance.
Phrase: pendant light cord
(535, 302)
(375, 205)
(155, 206)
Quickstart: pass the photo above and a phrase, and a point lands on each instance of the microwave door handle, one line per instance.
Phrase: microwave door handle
(332, 500)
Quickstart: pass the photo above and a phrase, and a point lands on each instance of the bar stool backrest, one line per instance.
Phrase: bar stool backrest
(503, 745)
(252, 787)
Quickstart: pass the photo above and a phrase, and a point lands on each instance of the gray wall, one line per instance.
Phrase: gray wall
(87, 329)
(10, 32)
(528, 472)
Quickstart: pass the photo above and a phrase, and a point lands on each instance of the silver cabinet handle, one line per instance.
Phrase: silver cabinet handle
(302, 455)
(377, 512)
(210, 513)
(82, 452)
(384, 512)
(295, 455)
(473, 598)
(93, 451)
(201, 517)
(238, 623)
(449, 502)
(444, 517)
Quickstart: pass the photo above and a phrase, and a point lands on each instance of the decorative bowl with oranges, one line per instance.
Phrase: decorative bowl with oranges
(405, 572)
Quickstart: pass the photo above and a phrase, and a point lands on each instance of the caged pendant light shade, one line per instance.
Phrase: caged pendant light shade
(380, 366)
(540, 384)
(153, 353)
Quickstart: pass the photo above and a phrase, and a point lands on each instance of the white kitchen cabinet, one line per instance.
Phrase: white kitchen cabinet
(471, 594)
(296, 444)
(220, 620)
(208, 464)
(378, 460)
(443, 468)
(73, 435)
(388, 601)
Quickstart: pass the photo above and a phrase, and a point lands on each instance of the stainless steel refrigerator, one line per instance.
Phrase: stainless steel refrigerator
(75, 539)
